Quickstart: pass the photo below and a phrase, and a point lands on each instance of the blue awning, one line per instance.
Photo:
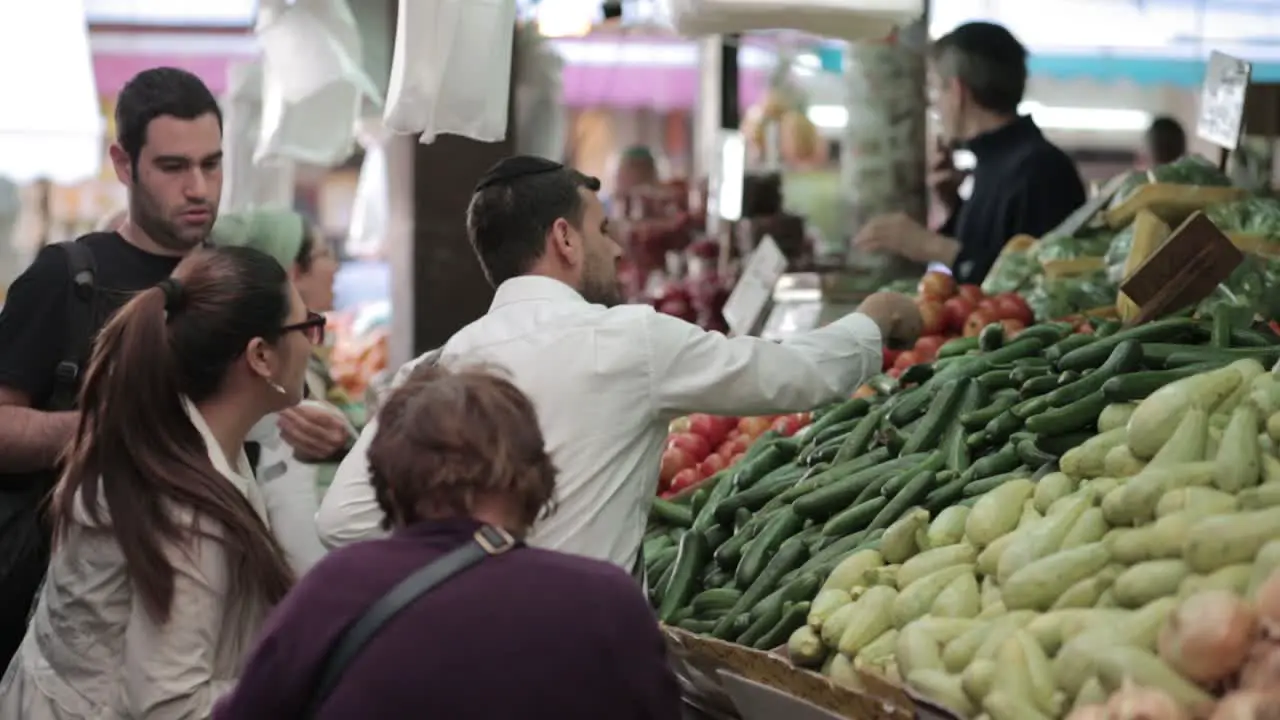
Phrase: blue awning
(1141, 71)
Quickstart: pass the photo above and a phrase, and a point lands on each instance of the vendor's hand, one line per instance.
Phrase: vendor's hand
(898, 234)
(316, 434)
(944, 179)
(897, 315)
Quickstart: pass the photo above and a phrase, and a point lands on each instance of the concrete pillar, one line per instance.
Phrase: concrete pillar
(884, 149)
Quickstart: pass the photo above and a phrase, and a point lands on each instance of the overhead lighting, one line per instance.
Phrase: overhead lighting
(835, 117)
(1087, 119)
(565, 19)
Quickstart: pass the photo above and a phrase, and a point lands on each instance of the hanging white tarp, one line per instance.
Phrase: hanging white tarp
(845, 19)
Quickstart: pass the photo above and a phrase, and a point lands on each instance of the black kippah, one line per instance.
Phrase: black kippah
(515, 167)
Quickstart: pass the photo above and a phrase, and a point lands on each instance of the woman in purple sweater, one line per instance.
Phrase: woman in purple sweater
(504, 631)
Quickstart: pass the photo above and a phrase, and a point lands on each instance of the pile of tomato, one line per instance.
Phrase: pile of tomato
(700, 445)
(950, 311)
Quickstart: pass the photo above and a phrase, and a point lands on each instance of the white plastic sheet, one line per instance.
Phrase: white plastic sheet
(247, 184)
(541, 120)
(857, 20)
(370, 211)
(451, 70)
(313, 84)
(51, 124)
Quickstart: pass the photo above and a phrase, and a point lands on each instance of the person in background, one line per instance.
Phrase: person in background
(168, 155)
(637, 168)
(165, 563)
(297, 450)
(454, 453)
(1022, 184)
(608, 377)
(1162, 143)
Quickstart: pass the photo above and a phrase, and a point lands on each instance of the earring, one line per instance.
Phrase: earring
(277, 387)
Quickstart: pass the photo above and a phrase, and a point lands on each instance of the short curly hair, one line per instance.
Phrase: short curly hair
(448, 438)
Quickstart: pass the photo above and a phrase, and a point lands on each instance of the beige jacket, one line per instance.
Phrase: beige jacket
(93, 652)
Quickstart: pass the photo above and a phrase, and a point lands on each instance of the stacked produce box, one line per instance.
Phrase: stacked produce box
(1055, 506)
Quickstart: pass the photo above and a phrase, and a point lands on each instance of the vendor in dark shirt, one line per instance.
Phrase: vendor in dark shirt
(1023, 184)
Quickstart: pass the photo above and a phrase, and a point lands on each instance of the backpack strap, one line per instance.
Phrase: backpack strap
(80, 325)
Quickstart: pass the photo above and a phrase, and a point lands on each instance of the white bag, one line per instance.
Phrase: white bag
(370, 211)
(451, 70)
(245, 183)
(313, 83)
(863, 20)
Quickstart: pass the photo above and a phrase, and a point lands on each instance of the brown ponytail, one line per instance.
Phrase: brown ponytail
(136, 450)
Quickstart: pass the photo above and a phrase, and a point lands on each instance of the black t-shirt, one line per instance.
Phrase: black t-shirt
(35, 315)
(1023, 184)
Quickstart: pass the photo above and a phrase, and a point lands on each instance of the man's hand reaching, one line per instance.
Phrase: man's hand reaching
(896, 314)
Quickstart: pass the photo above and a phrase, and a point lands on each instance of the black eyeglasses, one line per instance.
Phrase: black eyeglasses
(312, 327)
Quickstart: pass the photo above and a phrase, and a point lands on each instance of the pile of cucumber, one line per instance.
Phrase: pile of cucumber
(742, 556)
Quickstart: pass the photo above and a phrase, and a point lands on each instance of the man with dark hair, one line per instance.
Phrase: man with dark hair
(1023, 184)
(607, 378)
(1164, 142)
(168, 154)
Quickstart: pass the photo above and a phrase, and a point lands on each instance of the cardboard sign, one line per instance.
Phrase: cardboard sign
(752, 294)
(1183, 271)
(1079, 219)
(1222, 100)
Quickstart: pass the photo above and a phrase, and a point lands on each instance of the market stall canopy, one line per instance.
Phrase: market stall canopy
(860, 20)
(313, 84)
(54, 135)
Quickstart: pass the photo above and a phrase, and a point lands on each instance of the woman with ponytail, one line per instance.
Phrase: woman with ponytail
(164, 563)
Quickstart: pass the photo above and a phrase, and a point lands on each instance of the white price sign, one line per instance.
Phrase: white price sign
(1226, 81)
(750, 297)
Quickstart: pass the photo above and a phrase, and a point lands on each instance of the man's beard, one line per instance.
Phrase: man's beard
(145, 213)
(602, 290)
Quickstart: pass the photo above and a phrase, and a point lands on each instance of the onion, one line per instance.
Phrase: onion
(1088, 712)
(1132, 702)
(1208, 637)
(1248, 705)
(1261, 669)
(1267, 600)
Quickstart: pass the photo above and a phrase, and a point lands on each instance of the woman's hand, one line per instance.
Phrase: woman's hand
(316, 433)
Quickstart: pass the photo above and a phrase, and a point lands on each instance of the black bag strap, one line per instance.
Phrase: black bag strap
(80, 325)
(487, 541)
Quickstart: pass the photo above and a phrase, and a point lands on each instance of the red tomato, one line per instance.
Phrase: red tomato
(906, 360)
(894, 372)
(936, 284)
(972, 293)
(685, 479)
(889, 357)
(753, 427)
(955, 311)
(735, 459)
(1012, 327)
(673, 461)
(789, 425)
(1083, 329)
(729, 448)
(1012, 307)
(930, 317)
(713, 464)
(987, 306)
(927, 346)
(709, 427)
(977, 320)
(692, 443)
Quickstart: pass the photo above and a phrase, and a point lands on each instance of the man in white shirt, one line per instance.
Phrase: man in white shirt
(607, 378)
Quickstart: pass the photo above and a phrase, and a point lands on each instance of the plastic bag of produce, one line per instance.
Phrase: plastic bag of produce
(451, 68)
(1252, 223)
(1251, 286)
(1091, 243)
(1015, 268)
(1068, 289)
(1148, 232)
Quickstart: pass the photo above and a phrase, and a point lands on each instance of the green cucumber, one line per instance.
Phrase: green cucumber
(779, 529)
(913, 494)
(954, 449)
(945, 495)
(1058, 445)
(1094, 354)
(1055, 352)
(991, 337)
(917, 374)
(729, 554)
(826, 501)
(859, 439)
(752, 471)
(1025, 346)
(1030, 454)
(982, 486)
(1138, 385)
(933, 463)
(998, 380)
(910, 406)
(1037, 386)
(1002, 461)
(1000, 402)
(793, 618)
(1031, 406)
(768, 618)
(721, 486)
(715, 599)
(848, 410)
(816, 480)
(1069, 418)
(831, 434)
(854, 519)
(1004, 425)
(790, 556)
(1125, 357)
(938, 418)
(956, 347)
(680, 587)
(1022, 373)
(762, 492)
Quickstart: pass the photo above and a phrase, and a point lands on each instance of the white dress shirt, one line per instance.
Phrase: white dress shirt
(605, 383)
